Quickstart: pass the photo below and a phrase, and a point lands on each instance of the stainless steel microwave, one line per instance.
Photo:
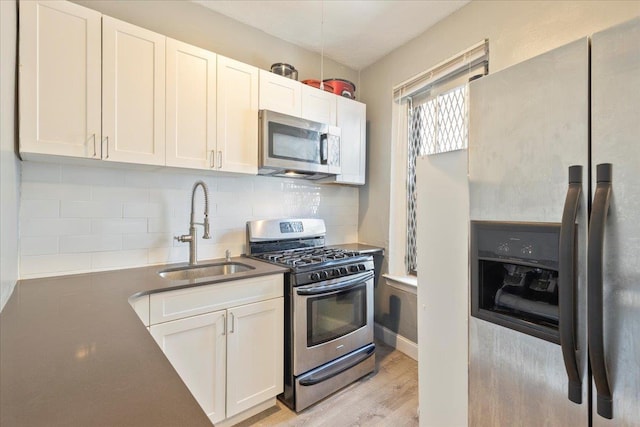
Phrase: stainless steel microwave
(297, 148)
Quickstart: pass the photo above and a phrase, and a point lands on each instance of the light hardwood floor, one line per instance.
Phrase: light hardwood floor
(388, 397)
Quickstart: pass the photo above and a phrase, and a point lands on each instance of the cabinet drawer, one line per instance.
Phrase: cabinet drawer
(172, 305)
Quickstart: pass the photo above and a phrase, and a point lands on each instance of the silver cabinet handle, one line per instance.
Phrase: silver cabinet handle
(224, 329)
(233, 322)
(105, 139)
(211, 159)
(93, 136)
(219, 159)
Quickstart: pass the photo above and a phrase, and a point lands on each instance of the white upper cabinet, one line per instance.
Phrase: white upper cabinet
(133, 89)
(237, 117)
(319, 105)
(352, 120)
(91, 86)
(191, 106)
(59, 79)
(280, 94)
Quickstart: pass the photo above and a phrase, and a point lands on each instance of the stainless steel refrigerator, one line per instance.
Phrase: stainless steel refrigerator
(554, 187)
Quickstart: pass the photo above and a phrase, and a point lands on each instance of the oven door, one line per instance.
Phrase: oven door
(331, 318)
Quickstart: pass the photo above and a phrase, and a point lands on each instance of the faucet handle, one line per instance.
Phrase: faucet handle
(183, 238)
(227, 255)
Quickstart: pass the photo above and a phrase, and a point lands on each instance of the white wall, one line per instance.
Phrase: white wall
(9, 165)
(197, 25)
(517, 30)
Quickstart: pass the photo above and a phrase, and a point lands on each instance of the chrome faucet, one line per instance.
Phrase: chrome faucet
(191, 237)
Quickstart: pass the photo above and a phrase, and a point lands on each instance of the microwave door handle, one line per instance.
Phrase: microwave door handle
(567, 283)
(342, 285)
(324, 148)
(595, 249)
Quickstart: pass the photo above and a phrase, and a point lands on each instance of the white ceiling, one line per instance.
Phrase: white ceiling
(355, 33)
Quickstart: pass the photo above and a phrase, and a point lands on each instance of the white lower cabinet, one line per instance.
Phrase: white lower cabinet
(231, 359)
(196, 347)
(255, 351)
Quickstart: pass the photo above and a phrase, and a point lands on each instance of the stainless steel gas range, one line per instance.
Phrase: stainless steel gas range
(328, 308)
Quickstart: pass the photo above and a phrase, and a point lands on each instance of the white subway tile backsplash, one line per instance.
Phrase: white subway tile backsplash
(40, 172)
(234, 185)
(97, 209)
(49, 265)
(34, 227)
(41, 245)
(227, 223)
(146, 210)
(169, 255)
(77, 219)
(229, 204)
(118, 259)
(91, 175)
(167, 225)
(146, 240)
(218, 251)
(39, 209)
(54, 191)
(337, 235)
(265, 183)
(90, 243)
(120, 194)
(118, 226)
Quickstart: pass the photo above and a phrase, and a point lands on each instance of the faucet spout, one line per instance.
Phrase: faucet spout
(191, 237)
(205, 223)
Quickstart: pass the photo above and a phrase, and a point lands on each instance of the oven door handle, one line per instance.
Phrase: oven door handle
(337, 367)
(343, 285)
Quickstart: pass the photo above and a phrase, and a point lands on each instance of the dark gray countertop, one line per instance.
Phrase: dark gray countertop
(360, 247)
(74, 353)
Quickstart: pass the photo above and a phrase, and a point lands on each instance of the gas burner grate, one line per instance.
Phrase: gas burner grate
(305, 257)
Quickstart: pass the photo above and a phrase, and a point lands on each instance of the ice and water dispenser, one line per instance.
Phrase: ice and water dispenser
(514, 276)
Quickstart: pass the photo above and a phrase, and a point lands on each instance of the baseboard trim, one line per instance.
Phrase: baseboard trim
(396, 341)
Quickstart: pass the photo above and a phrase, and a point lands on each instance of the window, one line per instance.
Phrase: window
(435, 126)
(434, 105)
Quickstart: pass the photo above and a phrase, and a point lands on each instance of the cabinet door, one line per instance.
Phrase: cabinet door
(59, 79)
(255, 351)
(319, 105)
(352, 120)
(196, 348)
(191, 106)
(133, 88)
(280, 94)
(237, 113)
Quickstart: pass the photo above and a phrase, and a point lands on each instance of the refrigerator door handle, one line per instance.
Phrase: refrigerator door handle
(599, 210)
(567, 284)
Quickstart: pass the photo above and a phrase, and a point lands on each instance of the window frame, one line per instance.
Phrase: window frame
(427, 84)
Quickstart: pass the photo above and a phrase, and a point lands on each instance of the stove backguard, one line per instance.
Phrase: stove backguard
(514, 276)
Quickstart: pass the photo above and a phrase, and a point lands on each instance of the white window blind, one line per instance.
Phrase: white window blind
(437, 120)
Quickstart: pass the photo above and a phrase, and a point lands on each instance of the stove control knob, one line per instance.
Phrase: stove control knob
(324, 274)
(343, 270)
(361, 267)
(353, 268)
(315, 276)
(335, 272)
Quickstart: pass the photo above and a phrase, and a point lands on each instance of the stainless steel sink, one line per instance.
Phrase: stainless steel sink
(203, 271)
